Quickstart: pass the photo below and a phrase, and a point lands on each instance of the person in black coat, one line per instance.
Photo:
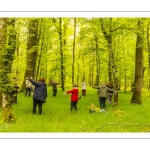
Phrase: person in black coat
(39, 95)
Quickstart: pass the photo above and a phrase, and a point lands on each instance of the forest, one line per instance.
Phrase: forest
(72, 50)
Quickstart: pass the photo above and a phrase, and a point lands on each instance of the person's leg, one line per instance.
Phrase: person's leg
(71, 107)
(26, 92)
(29, 92)
(82, 93)
(75, 106)
(104, 101)
(100, 102)
(34, 105)
(40, 104)
(85, 92)
(53, 93)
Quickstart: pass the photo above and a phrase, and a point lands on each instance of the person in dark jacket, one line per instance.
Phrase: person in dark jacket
(39, 95)
(102, 93)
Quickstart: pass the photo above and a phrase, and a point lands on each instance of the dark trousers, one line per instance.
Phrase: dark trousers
(54, 92)
(35, 103)
(28, 91)
(83, 92)
(102, 101)
(73, 105)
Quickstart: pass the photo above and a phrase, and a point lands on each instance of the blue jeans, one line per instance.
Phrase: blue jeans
(102, 101)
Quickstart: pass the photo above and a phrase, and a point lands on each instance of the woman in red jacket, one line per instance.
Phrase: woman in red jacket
(74, 96)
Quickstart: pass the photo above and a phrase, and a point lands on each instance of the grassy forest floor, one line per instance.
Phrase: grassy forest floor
(56, 117)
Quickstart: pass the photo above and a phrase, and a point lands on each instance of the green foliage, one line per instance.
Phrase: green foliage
(56, 117)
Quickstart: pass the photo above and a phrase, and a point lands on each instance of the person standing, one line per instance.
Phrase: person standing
(39, 95)
(110, 93)
(83, 88)
(54, 85)
(28, 88)
(102, 93)
(74, 97)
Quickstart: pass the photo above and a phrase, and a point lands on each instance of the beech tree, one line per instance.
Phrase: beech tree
(137, 89)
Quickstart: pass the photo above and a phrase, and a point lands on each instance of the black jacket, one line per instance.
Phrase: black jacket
(40, 91)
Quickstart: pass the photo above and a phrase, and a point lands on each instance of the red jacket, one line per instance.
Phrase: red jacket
(74, 96)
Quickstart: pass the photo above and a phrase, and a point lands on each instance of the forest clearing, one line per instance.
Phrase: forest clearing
(70, 51)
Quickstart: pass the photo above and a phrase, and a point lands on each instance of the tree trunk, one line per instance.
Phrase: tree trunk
(97, 61)
(148, 45)
(61, 54)
(42, 29)
(32, 50)
(73, 54)
(8, 46)
(108, 37)
(137, 91)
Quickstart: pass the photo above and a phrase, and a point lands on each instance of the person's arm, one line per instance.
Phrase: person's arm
(33, 82)
(68, 92)
(96, 87)
(111, 90)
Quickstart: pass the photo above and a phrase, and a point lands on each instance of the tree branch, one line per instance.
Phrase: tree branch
(122, 125)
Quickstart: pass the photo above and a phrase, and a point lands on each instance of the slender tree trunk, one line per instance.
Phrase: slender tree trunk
(97, 61)
(61, 54)
(137, 91)
(125, 74)
(73, 54)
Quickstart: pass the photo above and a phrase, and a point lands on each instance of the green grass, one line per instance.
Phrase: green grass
(56, 117)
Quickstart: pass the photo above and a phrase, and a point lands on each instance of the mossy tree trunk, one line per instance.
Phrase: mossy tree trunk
(137, 90)
(7, 48)
(97, 60)
(108, 37)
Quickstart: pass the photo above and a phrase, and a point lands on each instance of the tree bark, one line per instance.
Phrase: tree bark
(148, 45)
(137, 91)
(73, 54)
(108, 37)
(8, 46)
(32, 50)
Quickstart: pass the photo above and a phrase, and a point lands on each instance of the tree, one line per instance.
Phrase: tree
(74, 44)
(148, 45)
(32, 50)
(108, 37)
(8, 46)
(137, 90)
